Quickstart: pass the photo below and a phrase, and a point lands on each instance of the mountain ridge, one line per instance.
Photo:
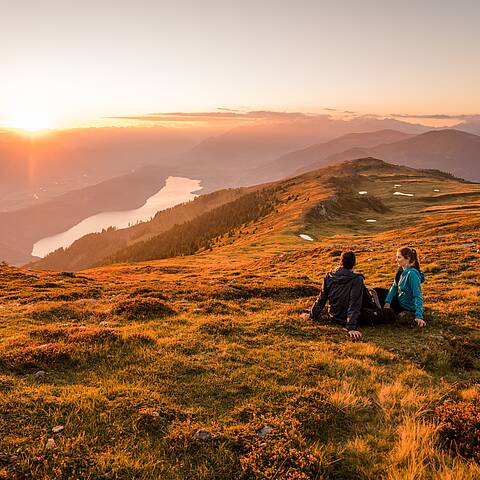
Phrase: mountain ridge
(447, 149)
(294, 198)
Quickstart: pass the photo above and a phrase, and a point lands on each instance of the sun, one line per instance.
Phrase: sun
(32, 122)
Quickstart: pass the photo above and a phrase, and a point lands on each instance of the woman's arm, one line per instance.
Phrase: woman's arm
(391, 294)
(417, 296)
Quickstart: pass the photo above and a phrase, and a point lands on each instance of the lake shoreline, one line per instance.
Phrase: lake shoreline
(174, 191)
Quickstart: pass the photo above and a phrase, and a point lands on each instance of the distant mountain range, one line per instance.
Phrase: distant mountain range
(319, 154)
(470, 125)
(36, 169)
(448, 150)
(242, 155)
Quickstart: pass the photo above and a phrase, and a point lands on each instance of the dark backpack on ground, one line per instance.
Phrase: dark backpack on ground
(372, 312)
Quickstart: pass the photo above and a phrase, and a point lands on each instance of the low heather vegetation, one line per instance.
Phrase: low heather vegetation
(201, 367)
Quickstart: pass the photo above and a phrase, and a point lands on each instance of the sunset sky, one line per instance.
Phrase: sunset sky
(66, 63)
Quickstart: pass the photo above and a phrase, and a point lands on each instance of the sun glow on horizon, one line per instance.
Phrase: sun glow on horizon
(31, 122)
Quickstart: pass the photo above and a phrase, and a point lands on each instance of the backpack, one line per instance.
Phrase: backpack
(372, 311)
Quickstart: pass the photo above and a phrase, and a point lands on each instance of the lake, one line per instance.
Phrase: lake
(176, 190)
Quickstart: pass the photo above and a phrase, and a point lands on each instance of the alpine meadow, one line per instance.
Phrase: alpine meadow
(223, 257)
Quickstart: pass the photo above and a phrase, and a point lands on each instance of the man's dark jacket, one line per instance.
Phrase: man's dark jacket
(343, 289)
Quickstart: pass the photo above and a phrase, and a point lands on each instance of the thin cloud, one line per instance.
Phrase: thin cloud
(435, 116)
(228, 116)
(223, 115)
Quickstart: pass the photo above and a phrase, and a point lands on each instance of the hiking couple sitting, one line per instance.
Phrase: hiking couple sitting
(352, 305)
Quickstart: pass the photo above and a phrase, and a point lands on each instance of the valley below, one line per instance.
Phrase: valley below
(176, 190)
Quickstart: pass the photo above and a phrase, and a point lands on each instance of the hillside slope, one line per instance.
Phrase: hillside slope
(303, 204)
(200, 367)
(95, 248)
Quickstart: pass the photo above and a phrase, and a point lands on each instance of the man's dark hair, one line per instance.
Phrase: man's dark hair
(348, 260)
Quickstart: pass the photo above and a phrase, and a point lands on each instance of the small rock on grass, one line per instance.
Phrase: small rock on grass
(203, 434)
(39, 374)
(50, 443)
(58, 429)
(265, 430)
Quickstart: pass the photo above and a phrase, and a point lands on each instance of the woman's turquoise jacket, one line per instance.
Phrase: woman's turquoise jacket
(409, 291)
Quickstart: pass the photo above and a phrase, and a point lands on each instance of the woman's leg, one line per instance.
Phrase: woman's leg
(396, 307)
(394, 304)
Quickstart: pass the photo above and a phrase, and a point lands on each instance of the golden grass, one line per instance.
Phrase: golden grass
(132, 383)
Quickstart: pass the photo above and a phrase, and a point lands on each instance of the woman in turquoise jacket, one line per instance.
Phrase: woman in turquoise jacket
(405, 294)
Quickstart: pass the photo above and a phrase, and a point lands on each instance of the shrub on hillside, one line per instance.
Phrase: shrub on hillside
(283, 455)
(26, 355)
(77, 294)
(146, 292)
(60, 313)
(460, 428)
(143, 308)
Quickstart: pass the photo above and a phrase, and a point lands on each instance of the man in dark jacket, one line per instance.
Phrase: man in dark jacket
(344, 290)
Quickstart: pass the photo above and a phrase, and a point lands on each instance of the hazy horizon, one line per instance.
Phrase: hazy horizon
(69, 65)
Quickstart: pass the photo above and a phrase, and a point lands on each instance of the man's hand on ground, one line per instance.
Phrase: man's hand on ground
(387, 305)
(421, 323)
(305, 316)
(355, 334)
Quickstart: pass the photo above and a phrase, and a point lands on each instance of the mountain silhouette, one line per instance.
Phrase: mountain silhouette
(448, 150)
(291, 162)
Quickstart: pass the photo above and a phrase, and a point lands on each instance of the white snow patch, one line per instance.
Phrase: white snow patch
(371, 221)
(397, 185)
(403, 194)
(436, 190)
(362, 192)
(306, 237)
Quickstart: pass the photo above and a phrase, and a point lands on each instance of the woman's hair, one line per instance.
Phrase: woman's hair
(411, 254)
